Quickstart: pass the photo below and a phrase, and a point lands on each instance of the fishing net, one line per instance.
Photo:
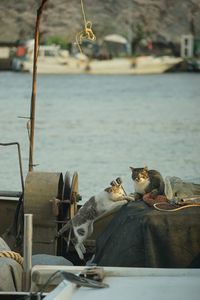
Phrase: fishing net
(179, 190)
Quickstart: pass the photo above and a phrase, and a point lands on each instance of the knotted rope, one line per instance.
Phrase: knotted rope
(87, 32)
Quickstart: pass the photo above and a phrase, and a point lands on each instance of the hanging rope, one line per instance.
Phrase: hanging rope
(87, 32)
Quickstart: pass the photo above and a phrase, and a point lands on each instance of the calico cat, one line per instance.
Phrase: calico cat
(147, 181)
(82, 223)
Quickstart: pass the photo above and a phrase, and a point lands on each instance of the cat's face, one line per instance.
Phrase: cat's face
(116, 191)
(140, 175)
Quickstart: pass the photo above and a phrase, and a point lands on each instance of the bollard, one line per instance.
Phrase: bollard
(28, 234)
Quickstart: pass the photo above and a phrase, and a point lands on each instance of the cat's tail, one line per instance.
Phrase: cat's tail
(64, 229)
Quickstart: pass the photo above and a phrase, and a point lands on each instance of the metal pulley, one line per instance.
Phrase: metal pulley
(47, 196)
(70, 197)
(67, 207)
(74, 197)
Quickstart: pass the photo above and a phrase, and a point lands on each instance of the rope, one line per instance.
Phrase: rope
(14, 255)
(87, 32)
(83, 12)
(173, 209)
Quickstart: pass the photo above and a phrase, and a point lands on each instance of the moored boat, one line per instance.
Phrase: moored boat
(53, 60)
(142, 246)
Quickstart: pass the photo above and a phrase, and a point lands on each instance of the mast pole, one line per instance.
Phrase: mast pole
(33, 96)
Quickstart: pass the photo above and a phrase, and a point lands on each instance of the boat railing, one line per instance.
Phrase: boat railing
(16, 194)
(10, 194)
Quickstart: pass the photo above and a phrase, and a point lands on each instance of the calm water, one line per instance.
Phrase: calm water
(100, 125)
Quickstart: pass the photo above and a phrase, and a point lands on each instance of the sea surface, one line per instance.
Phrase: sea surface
(101, 125)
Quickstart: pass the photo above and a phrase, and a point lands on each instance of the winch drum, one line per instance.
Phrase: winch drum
(40, 189)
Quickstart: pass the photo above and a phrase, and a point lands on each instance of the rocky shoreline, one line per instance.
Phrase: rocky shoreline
(160, 20)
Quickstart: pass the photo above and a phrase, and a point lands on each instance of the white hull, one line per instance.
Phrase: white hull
(125, 283)
(141, 65)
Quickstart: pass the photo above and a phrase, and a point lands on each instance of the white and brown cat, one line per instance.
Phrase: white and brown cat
(147, 181)
(81, 224)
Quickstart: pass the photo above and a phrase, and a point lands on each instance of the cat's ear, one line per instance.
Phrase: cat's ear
(132, 169)
(145, 168)
(108, 189)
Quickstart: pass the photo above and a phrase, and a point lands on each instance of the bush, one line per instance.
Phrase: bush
(57, 40)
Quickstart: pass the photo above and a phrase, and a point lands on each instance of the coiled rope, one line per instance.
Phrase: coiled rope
(14, 255)
(87, 33)
(173, 209)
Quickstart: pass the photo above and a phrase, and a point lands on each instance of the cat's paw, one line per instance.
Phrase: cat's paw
(56, 236)
(82, 248)
(154, 193)
(79, 251)
(137, 196)
(130, 197)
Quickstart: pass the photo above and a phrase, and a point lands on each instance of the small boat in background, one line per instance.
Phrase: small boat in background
(53, 60)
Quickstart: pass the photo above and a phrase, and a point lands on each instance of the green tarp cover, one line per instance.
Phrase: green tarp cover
(140, 236)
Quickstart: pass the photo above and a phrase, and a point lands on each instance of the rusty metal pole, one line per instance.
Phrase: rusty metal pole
(33, 96)
(28, 236)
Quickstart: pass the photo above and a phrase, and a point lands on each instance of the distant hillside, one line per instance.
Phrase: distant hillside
(160, 20)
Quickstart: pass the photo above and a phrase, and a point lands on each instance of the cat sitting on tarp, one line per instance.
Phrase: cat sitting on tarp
(147, 181)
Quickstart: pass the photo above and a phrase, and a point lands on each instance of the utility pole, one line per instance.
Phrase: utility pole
(33, 96)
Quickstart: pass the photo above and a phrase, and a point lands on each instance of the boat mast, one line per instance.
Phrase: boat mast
(33, 96)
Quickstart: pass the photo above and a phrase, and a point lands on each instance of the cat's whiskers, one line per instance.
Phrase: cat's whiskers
(141, 185)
